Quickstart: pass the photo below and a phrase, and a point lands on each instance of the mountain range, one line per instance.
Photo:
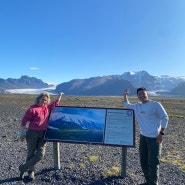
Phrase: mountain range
(111, 85)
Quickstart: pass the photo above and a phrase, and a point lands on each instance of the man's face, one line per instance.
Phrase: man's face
(143, 96)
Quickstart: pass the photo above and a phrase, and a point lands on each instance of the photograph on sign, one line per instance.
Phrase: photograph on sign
(76, 124)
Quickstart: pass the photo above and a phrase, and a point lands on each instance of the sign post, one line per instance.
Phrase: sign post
(123, 161)
(56, 155)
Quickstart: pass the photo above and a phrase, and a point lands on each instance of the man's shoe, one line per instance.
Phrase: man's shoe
(21, 171)
(31, 175)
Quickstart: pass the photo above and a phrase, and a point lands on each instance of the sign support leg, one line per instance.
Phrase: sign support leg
(56, 155)
(123, 161)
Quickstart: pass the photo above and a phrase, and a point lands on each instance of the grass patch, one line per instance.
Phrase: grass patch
(174, 158)
(93, 158)
(175, 116)
(112, 172)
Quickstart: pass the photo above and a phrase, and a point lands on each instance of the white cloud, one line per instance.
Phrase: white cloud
(34, 68)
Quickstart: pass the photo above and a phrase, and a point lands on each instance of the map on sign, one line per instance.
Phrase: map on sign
(106, 126)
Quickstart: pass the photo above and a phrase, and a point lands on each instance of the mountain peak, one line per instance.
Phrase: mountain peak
(23, 82)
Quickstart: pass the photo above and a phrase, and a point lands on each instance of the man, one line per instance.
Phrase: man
(152, 119)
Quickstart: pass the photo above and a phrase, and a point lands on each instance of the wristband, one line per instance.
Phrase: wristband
(161, 133)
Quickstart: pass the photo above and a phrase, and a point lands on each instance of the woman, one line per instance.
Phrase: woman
(37, 118)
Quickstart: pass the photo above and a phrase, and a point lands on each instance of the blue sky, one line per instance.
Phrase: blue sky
(61, 40)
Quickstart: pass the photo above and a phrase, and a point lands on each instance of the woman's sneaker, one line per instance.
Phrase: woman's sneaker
(31, 175)
(21, 171)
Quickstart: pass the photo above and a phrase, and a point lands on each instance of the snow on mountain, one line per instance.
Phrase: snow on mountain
(54, 128)
(152, 83)
(50, 90)
(168, 82)
(58, 120)
(141, 79)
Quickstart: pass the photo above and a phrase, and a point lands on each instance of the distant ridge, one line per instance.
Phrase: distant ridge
(179, 90)
(96, 86)
(23, 82)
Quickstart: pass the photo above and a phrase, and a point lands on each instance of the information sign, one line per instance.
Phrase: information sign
(106, 126)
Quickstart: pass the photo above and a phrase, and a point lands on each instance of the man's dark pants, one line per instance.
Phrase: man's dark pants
(150, 152)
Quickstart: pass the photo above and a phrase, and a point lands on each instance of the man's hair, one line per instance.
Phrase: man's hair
(141, 89)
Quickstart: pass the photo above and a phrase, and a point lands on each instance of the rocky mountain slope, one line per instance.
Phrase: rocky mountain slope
(115, 84)
(105, 86)
(23, 82)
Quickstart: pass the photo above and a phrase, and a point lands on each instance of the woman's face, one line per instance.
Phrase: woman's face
(43, 101)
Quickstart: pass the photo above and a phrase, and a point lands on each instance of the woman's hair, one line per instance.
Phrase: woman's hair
(37, 99)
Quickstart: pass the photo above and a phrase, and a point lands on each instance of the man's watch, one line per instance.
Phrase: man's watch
(162, 133)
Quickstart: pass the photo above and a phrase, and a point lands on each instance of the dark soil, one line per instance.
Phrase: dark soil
(76, 166)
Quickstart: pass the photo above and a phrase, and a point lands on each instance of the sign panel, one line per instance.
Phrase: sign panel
(106, 126)
(119, 127)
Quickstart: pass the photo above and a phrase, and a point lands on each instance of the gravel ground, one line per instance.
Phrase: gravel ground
(76, 165)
